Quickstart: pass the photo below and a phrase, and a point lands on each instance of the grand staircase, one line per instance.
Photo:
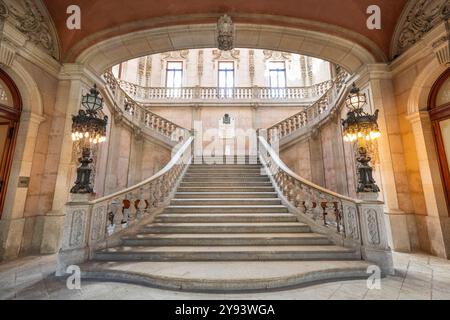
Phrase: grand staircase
(226, 217)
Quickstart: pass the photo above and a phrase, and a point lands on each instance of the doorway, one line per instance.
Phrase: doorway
(10, 109)
(439, 105)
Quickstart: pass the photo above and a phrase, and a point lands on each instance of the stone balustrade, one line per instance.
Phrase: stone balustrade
(327, 102)
(139, 115)
(349, 222)
(92, 224)
(147, 95)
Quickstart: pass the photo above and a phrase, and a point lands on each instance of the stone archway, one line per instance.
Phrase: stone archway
(12, 222)
(437, 220)
(105, 54)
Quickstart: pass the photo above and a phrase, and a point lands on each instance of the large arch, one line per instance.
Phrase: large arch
(12, 222)
(437, 219)
(350, 55)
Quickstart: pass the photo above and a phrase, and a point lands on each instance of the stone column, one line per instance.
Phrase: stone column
(437, 220)
(13, 221)
(113, 152)
(392, 161)
(339, 157)
(316, 158)
(74, 78)
(135, 164)
(74, 248)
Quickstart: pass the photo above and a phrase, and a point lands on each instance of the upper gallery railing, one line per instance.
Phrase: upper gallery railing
(353, 221)
(89, 225)
(318, 110)
(140, 116)
(149, 95)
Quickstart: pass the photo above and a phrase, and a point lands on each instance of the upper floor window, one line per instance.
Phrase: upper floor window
(226, 78)
(174, 78)
(277, 78)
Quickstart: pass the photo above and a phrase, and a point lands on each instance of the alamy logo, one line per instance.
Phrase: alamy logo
(374, 21)
(73, 282)
(374, 280)
(73, 22)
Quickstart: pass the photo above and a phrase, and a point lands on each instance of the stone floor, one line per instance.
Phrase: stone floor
(417, 277)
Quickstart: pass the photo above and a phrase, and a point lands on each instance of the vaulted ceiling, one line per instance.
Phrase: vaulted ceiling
(103, 19)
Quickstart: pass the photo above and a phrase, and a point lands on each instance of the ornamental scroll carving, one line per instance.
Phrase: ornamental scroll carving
(352, 223)
(30, 18)
(372, 227)
(77, 226)
(174, 55)
(231, 55)
(418, 19)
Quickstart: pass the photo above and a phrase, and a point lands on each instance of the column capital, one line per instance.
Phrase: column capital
(80, 72)
(418, 116)
(32, 117)
(374, 71)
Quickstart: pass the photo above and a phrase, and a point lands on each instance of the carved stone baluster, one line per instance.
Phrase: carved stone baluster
(113, 217)
(290, 190)
(323, 205)
(125, 212)
(132, 209)
(140, 204)
(155, 122)
(152, 199)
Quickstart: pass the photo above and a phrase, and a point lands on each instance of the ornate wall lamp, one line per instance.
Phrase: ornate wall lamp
(361, 128)
(88, 129)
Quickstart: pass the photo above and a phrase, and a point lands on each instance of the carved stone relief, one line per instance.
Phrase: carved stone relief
(233, 55)
(200, 63)
(372, 227)
(418, 18)
(144, 71)
(99, 223)
(352, 226)
(276, 55)
(174, 55)
(30, 18)
(225, 30)
(251, 66)
(77, 228)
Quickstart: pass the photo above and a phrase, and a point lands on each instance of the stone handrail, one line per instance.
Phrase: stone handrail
(89, 224)
(350, 222)
(211, 94)
(310, 115)
(140, 116)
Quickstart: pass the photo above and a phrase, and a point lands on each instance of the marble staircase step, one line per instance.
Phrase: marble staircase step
(226, 208)
(225, 253)
(226, 227)
(221, 217)
(225, 239)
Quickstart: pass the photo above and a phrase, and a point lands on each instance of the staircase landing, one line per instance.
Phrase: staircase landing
(226, 276)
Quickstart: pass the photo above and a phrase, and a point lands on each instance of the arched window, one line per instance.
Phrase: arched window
(439, 106)
(10, 108)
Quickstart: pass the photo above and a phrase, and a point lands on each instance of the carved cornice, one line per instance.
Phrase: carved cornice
(418, 18)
